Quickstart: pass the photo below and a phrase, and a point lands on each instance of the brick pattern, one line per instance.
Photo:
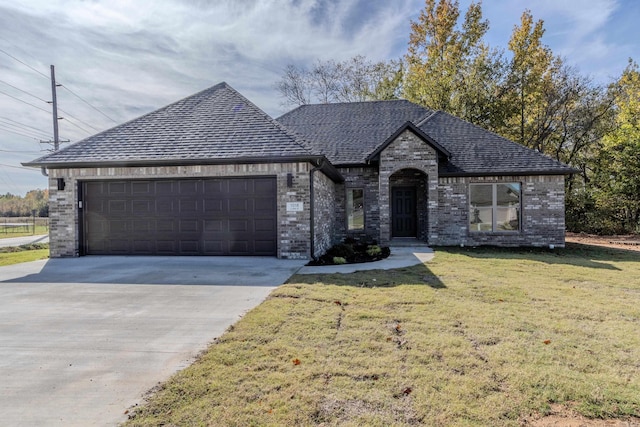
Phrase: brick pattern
(542, 216)
(324, 213)
(408, 151)
(293, 227)
(367, 179)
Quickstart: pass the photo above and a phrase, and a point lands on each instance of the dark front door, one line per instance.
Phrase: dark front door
(403, 208)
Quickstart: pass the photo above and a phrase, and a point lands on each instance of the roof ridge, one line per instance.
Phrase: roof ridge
(294, 136)
(427, 117)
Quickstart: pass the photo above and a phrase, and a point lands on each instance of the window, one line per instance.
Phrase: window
(355, 209)
(494, 207)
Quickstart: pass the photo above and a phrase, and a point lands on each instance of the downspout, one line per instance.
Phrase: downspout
(312, 208)
(43, 170)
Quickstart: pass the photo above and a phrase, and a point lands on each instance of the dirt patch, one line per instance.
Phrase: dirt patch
(561, 416)
(629, 242)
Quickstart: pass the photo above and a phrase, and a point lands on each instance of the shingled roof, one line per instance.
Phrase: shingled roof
(215, 125)
(349, 133)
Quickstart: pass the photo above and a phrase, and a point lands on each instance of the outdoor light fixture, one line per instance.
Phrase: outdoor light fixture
(289, 180)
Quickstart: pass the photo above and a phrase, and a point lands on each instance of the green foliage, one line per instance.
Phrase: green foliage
(338, 260)
(12, 206)
(374, 250)
(617, 169)
(448, 65)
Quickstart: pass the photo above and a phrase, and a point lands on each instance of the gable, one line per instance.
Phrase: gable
(425, 146)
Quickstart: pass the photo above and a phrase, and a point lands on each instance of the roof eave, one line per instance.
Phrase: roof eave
(507, 173)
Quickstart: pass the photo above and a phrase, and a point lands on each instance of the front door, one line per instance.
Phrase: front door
(403, 212)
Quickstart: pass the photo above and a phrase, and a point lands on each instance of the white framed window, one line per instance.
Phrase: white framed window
(495, 207)
(355, 209)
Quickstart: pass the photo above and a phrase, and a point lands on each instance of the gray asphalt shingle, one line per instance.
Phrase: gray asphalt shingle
(348, 133)
(215, 124)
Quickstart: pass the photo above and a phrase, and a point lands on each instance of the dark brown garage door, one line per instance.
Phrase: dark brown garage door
(222, 216)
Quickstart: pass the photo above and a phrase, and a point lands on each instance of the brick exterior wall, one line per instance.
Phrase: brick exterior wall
(542, 213)
(324, 213)
(365, 178)
(408, 151)
(293, 227)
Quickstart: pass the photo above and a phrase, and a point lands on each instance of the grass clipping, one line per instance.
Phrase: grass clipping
(476, 337)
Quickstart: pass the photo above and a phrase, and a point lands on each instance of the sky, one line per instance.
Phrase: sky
(119, 59)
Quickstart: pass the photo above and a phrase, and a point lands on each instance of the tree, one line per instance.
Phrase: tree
(449, 67)
(531, 75)
(355, 79)
(617, 175)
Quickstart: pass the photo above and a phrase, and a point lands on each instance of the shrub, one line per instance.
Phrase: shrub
(374, 250)
(339, 260)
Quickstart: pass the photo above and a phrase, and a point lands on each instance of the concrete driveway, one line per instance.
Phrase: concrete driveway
(82, 339)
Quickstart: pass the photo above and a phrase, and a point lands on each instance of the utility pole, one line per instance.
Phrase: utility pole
(56, 138)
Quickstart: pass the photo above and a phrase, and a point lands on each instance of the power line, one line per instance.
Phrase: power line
(25, 64)
(23, 124)
(17, 133)
(86, 102)
(77, 119)
(24, 91)
(25, 102)
(20, 167)
(76, 125)
(20, 151)
(25, 132)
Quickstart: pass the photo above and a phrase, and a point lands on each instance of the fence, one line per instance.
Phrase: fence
(24, 225)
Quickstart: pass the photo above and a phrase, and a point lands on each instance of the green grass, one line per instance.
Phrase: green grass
(477, 337)
(7, 233)
(25, 253)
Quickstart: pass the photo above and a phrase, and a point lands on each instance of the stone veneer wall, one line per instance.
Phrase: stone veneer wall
(542, 213)
(365, 178)
(293, 227)
(408, 151)
(324, 213)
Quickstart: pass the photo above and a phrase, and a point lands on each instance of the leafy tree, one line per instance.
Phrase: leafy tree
(355, 79)
(449, 67)
(14, 206)
(617, 177)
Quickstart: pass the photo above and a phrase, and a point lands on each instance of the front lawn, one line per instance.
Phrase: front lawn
(477, 337)
(18, 254)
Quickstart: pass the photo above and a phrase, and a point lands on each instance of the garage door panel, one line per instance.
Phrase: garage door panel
(213, 216)
(213, 225)
(116, 188)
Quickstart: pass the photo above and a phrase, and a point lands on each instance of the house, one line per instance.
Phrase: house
(212, 174)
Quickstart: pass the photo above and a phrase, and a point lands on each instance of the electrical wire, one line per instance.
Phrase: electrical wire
(86, 102)
(76, 125)
(21, 151)
(5, 119)
(23, 128)
(77, 119)
(24, 91)
(25, 102)
(25, 64)
(19, 167)
(18, 133)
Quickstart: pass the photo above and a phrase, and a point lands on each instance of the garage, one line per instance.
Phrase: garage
(208, 216)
